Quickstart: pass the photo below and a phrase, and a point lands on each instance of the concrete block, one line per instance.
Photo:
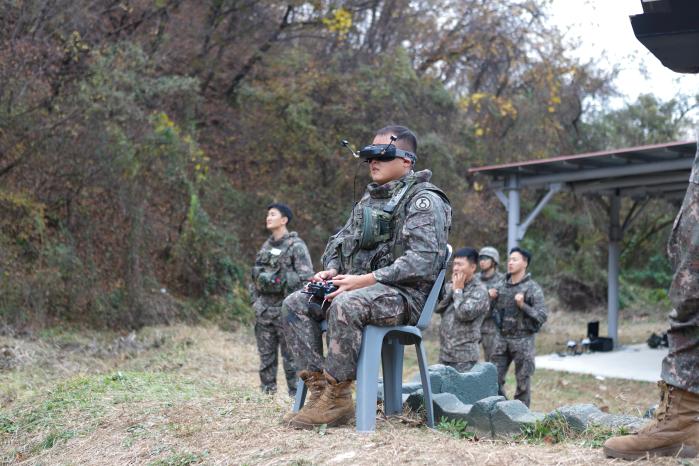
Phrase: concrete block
(479, 415)
(578, 416)
(508, 417)
(480, 382)
(616, 421)
(449, 407)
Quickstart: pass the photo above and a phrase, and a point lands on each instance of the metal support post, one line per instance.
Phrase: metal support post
(615, 237)
(512, 212)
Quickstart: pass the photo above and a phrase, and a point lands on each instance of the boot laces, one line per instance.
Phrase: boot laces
(662, 414)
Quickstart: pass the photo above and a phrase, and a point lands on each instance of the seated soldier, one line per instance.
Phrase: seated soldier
(384, 262)
(463, 308)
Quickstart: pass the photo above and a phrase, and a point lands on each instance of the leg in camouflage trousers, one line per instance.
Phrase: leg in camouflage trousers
(347, 316)
(522, 352)
(269, 336)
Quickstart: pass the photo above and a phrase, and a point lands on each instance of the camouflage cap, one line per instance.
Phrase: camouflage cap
(491, 252)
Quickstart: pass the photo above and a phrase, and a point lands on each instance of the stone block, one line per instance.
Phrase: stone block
(616, 421)
(578, 416)
(508, 417)
(449, 407)
(474, 385)
(582, 416)
(479, 415)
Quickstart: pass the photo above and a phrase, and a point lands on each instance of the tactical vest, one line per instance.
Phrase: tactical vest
(377, 241)
(269, 271)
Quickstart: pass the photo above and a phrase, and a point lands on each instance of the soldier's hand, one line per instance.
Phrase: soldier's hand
(493, 293)
(351, 282)
(324, 275)
(458, 280)
(519, 300)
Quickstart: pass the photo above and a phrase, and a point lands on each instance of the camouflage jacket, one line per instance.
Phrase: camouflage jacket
(494, 281)
(516, 322)
(683, 251)
(411, 258)
(281, 267)
(462, 316)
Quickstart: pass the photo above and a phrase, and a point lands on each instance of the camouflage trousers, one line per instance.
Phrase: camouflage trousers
(681, 366)
(270, 339)
(522, 351)
(489, 342)
(347, 315)
(460, 366)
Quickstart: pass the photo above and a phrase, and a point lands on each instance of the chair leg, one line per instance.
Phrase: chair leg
(426, 387)
(367, 381)
(300, 398)
(392, 362)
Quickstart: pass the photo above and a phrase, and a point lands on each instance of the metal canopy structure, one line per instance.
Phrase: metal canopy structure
(639, 173)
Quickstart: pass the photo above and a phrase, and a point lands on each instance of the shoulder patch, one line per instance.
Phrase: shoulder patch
(423, 203)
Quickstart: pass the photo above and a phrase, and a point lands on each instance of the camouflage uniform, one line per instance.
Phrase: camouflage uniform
(489, 331)
(681, 366)
(280, 268)
(405, 265)
(518, 329)
(460, 330)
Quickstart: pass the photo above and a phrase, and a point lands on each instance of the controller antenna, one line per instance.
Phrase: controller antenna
(345, 143)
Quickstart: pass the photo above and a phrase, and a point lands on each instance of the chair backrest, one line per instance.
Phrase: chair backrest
(431, 303)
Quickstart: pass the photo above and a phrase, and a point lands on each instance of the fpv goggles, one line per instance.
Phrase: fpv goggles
(384, 153)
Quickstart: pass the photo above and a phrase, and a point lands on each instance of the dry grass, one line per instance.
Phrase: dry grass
(188, 395)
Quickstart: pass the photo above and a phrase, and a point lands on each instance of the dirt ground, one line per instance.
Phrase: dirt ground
(188, 395)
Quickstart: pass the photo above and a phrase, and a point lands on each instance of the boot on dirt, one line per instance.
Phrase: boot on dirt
(334, 408)
(315, 382)
(674, 432)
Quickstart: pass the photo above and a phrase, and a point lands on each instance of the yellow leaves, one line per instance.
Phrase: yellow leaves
(479, 132)
(478, 187)
(168, 129)
(551, 109)
(340, 21)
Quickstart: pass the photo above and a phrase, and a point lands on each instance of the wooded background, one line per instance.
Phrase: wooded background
(141, 141)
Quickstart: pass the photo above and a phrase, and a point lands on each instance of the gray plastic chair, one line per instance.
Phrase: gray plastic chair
(389, 343)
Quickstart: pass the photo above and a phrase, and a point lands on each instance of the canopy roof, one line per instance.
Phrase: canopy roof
(658, 170)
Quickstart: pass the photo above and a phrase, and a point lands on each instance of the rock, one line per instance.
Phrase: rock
(480, 382)
(412, 387)
(449, 407)
(582, 416)
(479, 415)
(616, 421)
(577, 416)
(437, 373)
(508, 418)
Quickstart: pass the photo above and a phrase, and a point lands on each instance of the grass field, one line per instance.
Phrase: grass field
(188, 395)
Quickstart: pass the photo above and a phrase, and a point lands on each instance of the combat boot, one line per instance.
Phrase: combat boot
(334, 408)
(315, 382)
(674, 432)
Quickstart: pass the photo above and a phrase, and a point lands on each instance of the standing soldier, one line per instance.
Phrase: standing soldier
(463, 307)
(384, 262)
(491, 277)
(281, 266)
(675, 430)
(521, 311)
